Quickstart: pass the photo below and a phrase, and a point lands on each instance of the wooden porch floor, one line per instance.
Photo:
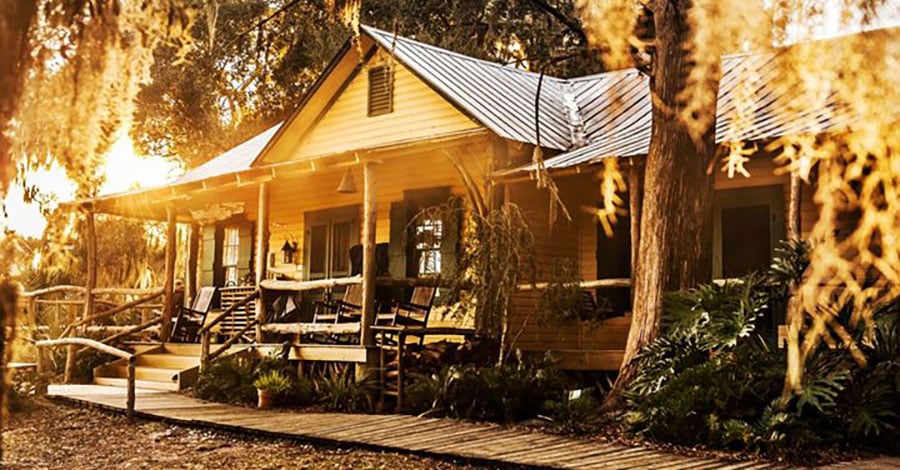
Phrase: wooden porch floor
(430, 436)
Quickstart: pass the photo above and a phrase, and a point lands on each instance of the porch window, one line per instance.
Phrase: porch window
(230, 253)
(428, 238)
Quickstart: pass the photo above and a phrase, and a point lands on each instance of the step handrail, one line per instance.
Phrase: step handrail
(206, 356)
(204, 332)
(104, 348)
(221, 316)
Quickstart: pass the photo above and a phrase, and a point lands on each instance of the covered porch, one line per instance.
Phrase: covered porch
(278, 241)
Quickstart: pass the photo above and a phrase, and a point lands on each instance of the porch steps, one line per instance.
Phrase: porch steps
(170, 367)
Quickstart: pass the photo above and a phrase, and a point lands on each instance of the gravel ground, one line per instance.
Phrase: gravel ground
(53, 436)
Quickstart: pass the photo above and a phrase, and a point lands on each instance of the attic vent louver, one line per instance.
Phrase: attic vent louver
(381, 90)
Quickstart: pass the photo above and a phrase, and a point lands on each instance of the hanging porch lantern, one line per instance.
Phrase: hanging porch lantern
(287, 251)
(347, 186)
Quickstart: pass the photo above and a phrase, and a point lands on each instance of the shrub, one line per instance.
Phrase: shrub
(234, 378)
(577, 412)
(22, 388)
(711, 379)
(228, 380)
(273, 382)
(338, 390)
(507, 393)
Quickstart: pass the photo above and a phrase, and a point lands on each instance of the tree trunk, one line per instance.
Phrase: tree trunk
(675, 244)
(16, 17)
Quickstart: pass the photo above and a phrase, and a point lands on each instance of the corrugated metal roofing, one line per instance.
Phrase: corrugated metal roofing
(616, 109)
(611, 111)
(499, 97)
(235, 160)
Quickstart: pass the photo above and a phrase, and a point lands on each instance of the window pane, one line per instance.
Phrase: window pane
(231, 275)
(230, 247)
(317, 250)
(429, 233)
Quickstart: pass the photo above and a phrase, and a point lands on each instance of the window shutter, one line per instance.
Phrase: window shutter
(208, 256)
(397, 248)
(451, 238)
(381, 90)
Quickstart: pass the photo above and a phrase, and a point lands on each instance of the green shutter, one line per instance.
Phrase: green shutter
(397, 246)
(208, 255)
(451, 238)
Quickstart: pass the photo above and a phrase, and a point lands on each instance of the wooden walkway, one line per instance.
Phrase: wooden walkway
(480, 442)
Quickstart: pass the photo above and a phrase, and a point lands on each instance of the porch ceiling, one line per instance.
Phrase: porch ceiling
(198, 189)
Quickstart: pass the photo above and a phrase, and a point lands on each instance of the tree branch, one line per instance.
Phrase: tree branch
(571, 24)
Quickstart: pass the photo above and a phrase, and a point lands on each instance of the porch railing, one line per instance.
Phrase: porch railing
(205, 355)
(58, 313)
(104, 348)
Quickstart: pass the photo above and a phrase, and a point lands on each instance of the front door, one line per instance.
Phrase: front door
(329, 236)
(749, 222)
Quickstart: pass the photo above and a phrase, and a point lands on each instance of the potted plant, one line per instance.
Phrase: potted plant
(269, 386)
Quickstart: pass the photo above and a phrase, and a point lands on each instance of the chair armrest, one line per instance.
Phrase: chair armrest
(411, 306)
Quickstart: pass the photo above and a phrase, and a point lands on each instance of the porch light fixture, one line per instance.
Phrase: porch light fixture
(287, 252)
(347, 185)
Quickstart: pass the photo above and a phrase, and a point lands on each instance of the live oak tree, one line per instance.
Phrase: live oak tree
(263, 56)
(679, 44)
(70, 71)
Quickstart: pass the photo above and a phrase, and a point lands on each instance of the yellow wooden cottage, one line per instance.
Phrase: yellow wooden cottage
(382, 134)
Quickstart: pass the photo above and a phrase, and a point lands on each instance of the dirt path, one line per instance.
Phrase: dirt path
(57, 436)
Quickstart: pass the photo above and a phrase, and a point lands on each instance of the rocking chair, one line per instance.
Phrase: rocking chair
(190, 320)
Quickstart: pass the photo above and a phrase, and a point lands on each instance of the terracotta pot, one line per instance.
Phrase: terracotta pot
(265, 399)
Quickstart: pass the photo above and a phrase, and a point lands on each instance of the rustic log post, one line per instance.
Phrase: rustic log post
(262, 250)
(190, 275)
(204, 350)
(91, 265)
(129, 399)
(794, 208)
(90, 283)
(42, 372)
(165, 328)
(368, 264)
(71, 350)
(368, 269)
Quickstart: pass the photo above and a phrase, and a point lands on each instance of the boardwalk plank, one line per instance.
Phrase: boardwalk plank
(446, 437)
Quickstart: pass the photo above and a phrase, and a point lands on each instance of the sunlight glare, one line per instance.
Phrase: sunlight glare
(124, 170)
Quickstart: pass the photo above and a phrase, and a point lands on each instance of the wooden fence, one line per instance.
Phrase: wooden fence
(63, 313)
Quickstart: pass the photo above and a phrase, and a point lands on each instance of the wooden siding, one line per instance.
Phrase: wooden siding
(291, 198)
(418, 113)
(577, 341)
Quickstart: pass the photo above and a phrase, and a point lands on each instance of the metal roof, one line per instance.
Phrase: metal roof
(616, 109)
(235, 160)
(500, 97)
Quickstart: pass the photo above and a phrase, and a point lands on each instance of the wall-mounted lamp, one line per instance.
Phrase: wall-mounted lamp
(347, 185)
(287, 252)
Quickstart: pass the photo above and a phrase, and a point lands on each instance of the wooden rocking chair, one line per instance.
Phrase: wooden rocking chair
(190, 320)
(414, 313)
(346, 309)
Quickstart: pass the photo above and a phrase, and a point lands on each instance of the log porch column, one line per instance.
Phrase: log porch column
(262, 251)
(794, 207)
(165, 328)
(368, 261)
(191, 274)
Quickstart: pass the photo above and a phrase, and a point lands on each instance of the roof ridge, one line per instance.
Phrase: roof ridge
(499, 65)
